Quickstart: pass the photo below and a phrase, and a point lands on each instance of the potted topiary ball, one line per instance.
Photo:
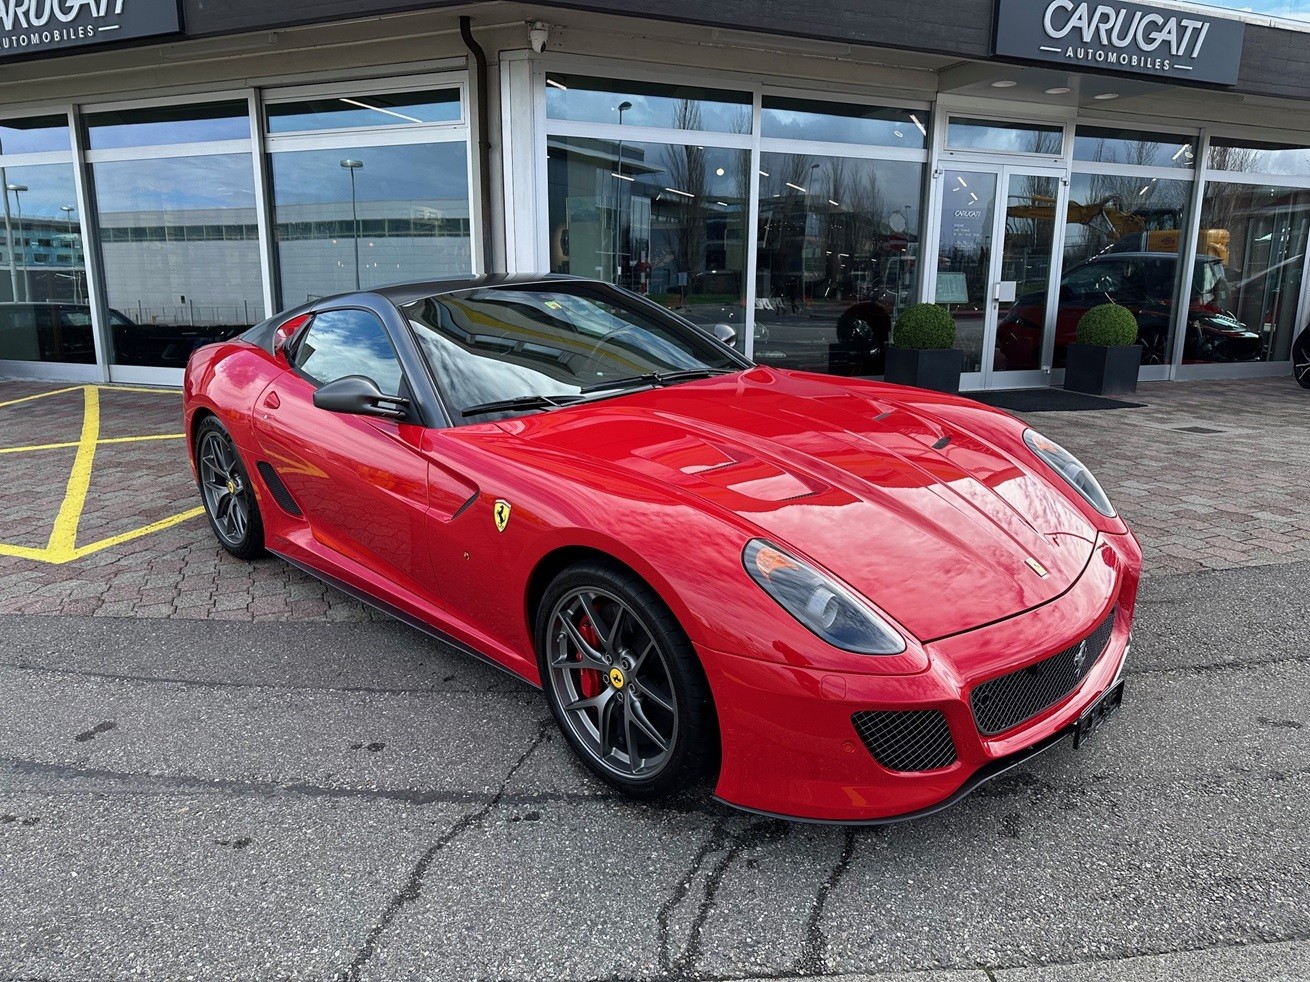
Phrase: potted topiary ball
(1106, 356)
(921, 353)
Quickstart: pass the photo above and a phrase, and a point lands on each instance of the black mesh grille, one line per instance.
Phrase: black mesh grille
(915, 740)
(1005, 702)
(280, 492)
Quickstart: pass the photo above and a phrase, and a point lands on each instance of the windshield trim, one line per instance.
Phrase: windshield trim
(585, 288)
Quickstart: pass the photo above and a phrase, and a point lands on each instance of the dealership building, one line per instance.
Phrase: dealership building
(174, 172)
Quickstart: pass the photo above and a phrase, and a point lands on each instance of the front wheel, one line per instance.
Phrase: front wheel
(624, 683)
(1301, 359)
(230, 503)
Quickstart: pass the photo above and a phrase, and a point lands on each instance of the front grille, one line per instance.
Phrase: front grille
(914, 740)
(1005, 702)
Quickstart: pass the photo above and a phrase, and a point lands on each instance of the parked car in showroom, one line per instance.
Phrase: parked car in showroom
(1144, 283)
(837, 599)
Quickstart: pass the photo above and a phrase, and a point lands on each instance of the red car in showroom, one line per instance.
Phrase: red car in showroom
(841, 600)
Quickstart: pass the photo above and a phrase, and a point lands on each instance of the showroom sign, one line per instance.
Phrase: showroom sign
(53, 26)
(1121, 37)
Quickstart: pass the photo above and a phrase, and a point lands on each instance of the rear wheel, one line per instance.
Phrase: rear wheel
(623, 681)
(225, 487)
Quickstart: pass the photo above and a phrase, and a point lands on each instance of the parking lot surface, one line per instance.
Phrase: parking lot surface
(211, 769)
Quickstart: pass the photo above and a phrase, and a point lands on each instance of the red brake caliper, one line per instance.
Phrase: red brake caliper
(589, 680)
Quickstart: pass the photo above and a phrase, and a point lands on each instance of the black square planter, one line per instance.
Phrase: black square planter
(937, 369)
(1101, 370)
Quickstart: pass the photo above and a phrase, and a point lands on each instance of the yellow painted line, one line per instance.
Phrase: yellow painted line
(115, 540)
(99, 443)
(134, 388)
(62, 546)
(25, 552)
(63, 537)
(40, 395)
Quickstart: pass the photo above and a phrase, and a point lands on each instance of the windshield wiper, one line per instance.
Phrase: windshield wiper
(521, 402)
(658, 378)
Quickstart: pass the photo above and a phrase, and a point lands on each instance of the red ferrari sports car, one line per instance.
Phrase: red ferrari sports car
(841, 600)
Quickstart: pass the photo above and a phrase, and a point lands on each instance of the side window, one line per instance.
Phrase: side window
(338, 343)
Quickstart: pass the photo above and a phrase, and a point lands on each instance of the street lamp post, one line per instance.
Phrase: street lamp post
(352, 166)
(18, 190)
(805, 234)
(72, 247)
(618, 196)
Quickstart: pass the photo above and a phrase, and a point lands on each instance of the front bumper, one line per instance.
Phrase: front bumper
(790, 747)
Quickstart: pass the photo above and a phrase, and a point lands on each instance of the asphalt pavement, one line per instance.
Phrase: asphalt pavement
(316, 798)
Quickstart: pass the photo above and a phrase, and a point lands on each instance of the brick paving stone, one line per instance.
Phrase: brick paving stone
(1219, 501)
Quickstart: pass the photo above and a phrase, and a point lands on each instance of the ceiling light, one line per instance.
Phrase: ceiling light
(899, 134)
(622, 177)
(835, 204)
(685, 194)
(796, 186)
(764, 173)
(1107, 95)
(1005, 83)
(719, 171)
(963, 182)
(915, 120)
(558, 85)
(1058, 90)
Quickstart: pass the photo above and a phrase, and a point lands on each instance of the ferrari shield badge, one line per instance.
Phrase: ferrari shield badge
(501, 511)
(1031, 563)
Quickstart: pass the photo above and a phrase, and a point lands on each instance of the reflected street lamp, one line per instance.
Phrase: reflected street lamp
(18, 190)
(618, 199)
(352, 166)
(72, 248)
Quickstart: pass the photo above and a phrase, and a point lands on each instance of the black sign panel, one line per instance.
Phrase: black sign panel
(30, 27)
(1130, 38)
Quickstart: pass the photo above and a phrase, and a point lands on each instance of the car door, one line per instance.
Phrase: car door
(361, 481)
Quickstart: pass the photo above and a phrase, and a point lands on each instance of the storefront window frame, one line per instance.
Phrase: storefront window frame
(1154, 373)
(87, 158)
(752, 141)
(346, 138)
(90, 247)
(1205, 175)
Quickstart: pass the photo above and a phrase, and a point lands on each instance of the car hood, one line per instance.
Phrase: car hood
(937, 527)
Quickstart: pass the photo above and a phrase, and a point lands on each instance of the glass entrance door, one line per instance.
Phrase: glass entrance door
(999, 231)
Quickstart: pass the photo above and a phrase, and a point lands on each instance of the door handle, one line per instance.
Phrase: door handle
(271, 401)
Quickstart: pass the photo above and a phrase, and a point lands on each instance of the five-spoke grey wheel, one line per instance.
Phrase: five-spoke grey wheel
(1301, 359)
(613, 682)
(225, 487)
(624, 682)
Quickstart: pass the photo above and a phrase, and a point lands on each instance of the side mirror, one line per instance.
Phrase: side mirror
(725, 333)
(360, 395)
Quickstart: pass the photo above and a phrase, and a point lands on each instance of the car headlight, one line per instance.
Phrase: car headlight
(1073, 470)
(827, 608)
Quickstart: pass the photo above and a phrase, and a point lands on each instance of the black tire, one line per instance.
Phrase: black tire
(225, 489)
(1301, 358)
(676, 678)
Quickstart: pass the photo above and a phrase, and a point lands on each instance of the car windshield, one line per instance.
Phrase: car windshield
(544, 344)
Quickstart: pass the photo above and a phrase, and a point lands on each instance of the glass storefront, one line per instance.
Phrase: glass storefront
(664, 220)
(44, 314)
(833, 259)
(1249, 265)
(368, 189)
(834, 237)
(178, 230)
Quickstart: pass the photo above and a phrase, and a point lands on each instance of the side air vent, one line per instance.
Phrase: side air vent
(280, 493)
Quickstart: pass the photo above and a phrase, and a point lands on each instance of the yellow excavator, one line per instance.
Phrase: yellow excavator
(1120, 224)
